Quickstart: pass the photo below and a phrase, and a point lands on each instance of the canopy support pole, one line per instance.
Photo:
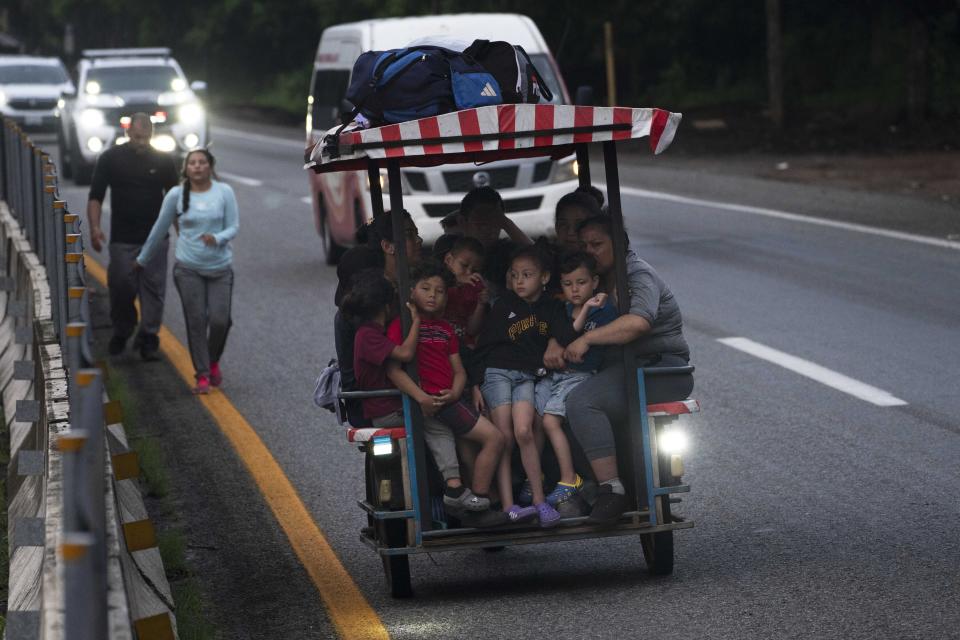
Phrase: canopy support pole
(421, 494)
(583, 164)
(376, 191)
(630, 442)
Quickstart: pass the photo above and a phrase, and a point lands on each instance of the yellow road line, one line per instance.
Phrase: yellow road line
(352, 615)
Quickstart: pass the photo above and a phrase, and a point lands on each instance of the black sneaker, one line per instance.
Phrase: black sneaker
(483, 519)
(149, 347)
(608, 507)
(117, 345)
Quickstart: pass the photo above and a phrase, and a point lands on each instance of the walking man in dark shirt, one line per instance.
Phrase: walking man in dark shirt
(138, 177)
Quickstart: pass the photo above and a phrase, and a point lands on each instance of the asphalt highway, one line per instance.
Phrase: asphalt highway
(824, 474)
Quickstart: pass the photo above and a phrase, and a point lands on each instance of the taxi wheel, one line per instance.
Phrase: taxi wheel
(397, 568)
(658, 552)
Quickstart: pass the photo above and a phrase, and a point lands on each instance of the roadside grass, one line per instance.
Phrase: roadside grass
(187, 593)
(4, 543)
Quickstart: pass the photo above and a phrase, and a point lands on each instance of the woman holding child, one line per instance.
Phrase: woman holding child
(654, 328)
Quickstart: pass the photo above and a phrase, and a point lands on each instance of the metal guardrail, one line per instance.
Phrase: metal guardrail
(69, 508)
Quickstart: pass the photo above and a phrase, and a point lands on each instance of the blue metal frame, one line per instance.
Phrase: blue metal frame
(412, 471)
(647, 450)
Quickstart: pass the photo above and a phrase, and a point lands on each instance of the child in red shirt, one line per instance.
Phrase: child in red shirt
(368, 305)
(467, 301)
(442, 381)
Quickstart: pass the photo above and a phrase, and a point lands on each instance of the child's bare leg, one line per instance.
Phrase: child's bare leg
(553, 425)
(491, 442)
(467, 452)
(503, 421)
(523, 430)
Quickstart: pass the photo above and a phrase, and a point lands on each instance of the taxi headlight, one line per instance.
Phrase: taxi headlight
(91, 118)
(565, 171)
(163, 143)
(191, 114)
(672, 441)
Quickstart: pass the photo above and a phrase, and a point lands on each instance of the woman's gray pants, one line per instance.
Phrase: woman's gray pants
(599, 403)
(206, 297)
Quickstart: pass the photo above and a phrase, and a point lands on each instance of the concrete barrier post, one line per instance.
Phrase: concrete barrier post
(56, 275)
(71, 445)
(84, 606)
(89, 417)
(74, 359)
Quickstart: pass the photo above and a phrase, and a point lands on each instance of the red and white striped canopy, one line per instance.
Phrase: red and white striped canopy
(492, 133)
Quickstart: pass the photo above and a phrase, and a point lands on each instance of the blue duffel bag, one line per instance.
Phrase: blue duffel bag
(406, 84)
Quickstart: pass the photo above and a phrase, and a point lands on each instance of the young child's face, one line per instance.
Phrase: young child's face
(429, 295)
(566, 224)
(528, 279)
(463, 264)
(579, 285)
(483, 223)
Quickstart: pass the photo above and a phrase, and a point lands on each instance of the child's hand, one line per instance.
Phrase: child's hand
(414, 313)
(478, 402)
(596, 301)
(576, 350)
(483, 297)
(445, 397)
(428, 405)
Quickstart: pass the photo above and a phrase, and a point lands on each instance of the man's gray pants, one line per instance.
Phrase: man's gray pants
(125, 284)
(206, 297)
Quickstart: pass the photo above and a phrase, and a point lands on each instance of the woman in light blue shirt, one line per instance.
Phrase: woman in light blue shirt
(205, 213)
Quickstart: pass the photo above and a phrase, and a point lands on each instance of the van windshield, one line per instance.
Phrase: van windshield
(32, 74)
(542, 62)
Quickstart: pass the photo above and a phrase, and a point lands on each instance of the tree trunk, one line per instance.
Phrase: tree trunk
(917, 78)
(774, 64)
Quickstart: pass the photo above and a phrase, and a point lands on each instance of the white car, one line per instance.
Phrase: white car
(29, 90)
(112, 85)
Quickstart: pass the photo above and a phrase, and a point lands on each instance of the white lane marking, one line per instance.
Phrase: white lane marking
(815, 372)
(257, 137)
(250, 182)
(793, 217)
(306, 200)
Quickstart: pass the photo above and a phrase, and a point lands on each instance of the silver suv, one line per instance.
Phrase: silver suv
(29, 90)
(112, 85)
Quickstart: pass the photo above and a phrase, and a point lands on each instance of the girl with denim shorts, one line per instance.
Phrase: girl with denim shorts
(509, 356)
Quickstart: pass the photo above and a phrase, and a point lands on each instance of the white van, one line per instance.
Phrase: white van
(530, 188)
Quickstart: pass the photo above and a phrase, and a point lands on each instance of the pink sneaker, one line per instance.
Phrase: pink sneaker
(203, 385)
(216, 377)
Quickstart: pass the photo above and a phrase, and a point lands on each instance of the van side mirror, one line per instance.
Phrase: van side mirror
(584, 96)
(198, 86)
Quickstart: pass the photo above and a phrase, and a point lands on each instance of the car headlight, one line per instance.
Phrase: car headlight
(95, 144)
(191, 141)
(93, 87)
(191, 114)
(3, 99)
(163, 143)
(565, 171)
(672, 441)
(91, 117)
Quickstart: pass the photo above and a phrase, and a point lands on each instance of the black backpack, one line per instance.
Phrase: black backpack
(417, 82)
(511, 66)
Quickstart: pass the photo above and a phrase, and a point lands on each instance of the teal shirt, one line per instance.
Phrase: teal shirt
(213, 211)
